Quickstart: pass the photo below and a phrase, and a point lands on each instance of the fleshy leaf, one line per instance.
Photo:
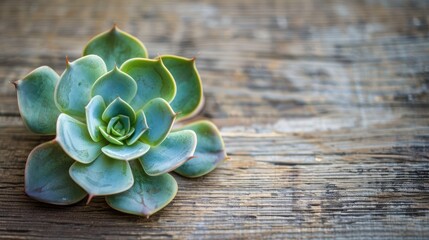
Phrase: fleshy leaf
(189, 97)
(126, 152)
(36, 100)
(209, 153)
(175, 150)
(104, 176)
(46, 176)
(125, 123)
(109, 138)
(127, 135)
(119, 107)
(160, 118)
(94, 110)
(140, 126)
(115, 84)
(112, 122)
(148, 194)
(153, 81)
(115, 47)
(73, 91)
(74, 138)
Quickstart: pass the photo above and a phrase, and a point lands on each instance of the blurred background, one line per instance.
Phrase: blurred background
(323, 106)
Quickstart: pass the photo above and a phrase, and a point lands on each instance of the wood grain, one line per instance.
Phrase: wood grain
(323, 106)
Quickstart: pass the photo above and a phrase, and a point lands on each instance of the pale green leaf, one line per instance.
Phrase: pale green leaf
(160, 118)
(175, 150)
(126, 152)
(104, 176)
(74, 138)
(94, 110)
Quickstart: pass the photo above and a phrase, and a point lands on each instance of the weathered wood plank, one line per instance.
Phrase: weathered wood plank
(322, 105)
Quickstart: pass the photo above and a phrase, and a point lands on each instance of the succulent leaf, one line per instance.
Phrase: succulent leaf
(113, 127)
(160, 118)
(75, 140)
(73, 91)
(152, 78)
(209, 153)
(104, 176)
(93, 112)
(127, 135)
(46, 176)
(148, 194)
(140, 128)
(126, 153)
(118, 107)
(115, 84)
(115, 47)
(109, 137)
(189, 97)
(112, 122)
(36, 100)
(175, 150)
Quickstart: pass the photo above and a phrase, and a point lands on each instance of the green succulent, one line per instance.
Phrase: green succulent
(112, 111)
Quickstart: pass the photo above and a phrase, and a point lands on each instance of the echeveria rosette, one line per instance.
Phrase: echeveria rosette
(112, 111)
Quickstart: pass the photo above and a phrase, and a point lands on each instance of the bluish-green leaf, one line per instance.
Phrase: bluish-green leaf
(189, 97)
(112, 122)
(104, 176)
(119, 107)
(209, 153)
(160, 118)
(126, 152)
(140, 128)
(94, 110)
(148, 194)
(153, 81)
(175, 150)
(115, 84)
(46, 176)
(127, 135)
(73, 91)
(74, 138)
(36, 100)
(115, 47)
(125, 124)
(109, 137)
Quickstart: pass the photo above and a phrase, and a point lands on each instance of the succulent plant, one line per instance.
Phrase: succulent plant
(113, 111)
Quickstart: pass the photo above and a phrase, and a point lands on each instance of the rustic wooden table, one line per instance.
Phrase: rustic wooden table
(323, 106)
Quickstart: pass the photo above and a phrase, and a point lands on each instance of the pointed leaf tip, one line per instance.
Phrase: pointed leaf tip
(89, 199)
(114, 84)
(152, 78)
(73, 91)
(115, 47)
(189, 97)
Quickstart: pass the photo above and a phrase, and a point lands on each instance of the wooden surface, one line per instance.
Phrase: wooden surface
(323, 106)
